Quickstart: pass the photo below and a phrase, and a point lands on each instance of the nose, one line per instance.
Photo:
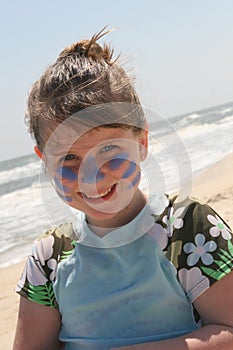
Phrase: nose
(91, 173)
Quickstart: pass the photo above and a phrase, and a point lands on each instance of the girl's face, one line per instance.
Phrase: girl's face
(100, 173)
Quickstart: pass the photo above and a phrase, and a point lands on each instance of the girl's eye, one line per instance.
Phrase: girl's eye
(69, 157)
(108, 148)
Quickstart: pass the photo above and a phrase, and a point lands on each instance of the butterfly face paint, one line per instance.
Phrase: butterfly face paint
(90, 174)
(64, 174)
(60, 186)
(123, 159)
(67, 173)
(118, 161)
(130, 171)
(136, 180)
(100, 172)
(97, 171)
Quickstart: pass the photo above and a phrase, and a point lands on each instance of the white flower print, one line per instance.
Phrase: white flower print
(219, 227)
(34, 274)
(189, 279)
(42, 250)
(174, 220)
(52, 264)
(159, 234)
(200, 250)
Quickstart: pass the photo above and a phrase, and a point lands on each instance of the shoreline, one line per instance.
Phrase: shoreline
(213, 186)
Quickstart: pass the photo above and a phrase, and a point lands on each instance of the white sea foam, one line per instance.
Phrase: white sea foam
(227, 120)
(20, 210)
(207, 143)
(226, 110)
(19, 172)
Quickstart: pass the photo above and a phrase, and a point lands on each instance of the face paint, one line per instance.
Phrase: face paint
(60, 186)
(135, 180)
(117, 161)
(67, 173)
(131, 169)
(91, 173)
(65, 198)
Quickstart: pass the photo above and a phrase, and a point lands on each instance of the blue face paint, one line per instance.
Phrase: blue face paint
(67, 173)
(65, 198)
(116, 162)
(100, 176)
(131, 169)
(91, 172)
(60, 185)
(135, 180)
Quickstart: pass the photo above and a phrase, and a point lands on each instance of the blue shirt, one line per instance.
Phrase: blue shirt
(121, 289)
(137, 283)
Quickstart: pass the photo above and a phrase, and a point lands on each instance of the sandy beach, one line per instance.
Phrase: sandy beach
(214, 186)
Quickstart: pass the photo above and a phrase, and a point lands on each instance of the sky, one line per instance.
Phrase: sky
(179, 51)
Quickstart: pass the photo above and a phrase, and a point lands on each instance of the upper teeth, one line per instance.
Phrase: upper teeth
(98, 195)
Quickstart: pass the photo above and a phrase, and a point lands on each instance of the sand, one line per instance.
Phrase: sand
(8, 304)
(214, 186)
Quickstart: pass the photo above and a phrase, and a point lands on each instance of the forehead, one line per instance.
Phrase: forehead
(67, 139)
(101, 134)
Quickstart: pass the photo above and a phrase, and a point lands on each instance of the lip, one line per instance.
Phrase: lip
(100, 199)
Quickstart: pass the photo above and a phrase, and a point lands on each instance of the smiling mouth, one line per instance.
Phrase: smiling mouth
(99, 195)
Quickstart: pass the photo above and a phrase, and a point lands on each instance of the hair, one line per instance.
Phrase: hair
(84, 75)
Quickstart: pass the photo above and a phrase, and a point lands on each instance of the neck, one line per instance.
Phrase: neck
(121, 218)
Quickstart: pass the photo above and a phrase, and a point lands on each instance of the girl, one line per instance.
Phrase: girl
(133, 271)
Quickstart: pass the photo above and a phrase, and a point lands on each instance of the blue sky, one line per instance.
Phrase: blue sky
(180, 51)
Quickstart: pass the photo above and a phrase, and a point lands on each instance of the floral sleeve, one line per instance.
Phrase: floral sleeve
(36, 282)
(200, 246)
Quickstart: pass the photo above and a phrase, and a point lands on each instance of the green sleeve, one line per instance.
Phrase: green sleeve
(200, 246)
(36, 282)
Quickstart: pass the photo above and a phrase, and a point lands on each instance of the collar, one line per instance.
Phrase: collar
(125, 234)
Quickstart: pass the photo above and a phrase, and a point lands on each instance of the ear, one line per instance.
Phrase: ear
(143, 143)
(38, 152)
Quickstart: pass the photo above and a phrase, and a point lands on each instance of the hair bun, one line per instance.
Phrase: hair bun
(90, 48)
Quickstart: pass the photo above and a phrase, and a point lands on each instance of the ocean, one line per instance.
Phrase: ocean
(193, 141)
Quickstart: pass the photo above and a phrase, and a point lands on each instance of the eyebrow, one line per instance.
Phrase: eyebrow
(57, 151)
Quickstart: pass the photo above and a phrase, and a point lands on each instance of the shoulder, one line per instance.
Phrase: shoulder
(52, 247)
(54, 242)
(190, 216)
(200, 244)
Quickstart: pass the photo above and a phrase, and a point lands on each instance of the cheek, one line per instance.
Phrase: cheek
(132, 168)
(64, 181)
(132, 174)
(67, 173)
(135, 181)
(126, 169)
(118, 161)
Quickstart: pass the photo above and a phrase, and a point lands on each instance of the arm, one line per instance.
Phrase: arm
(215, 307)
(37, 327)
